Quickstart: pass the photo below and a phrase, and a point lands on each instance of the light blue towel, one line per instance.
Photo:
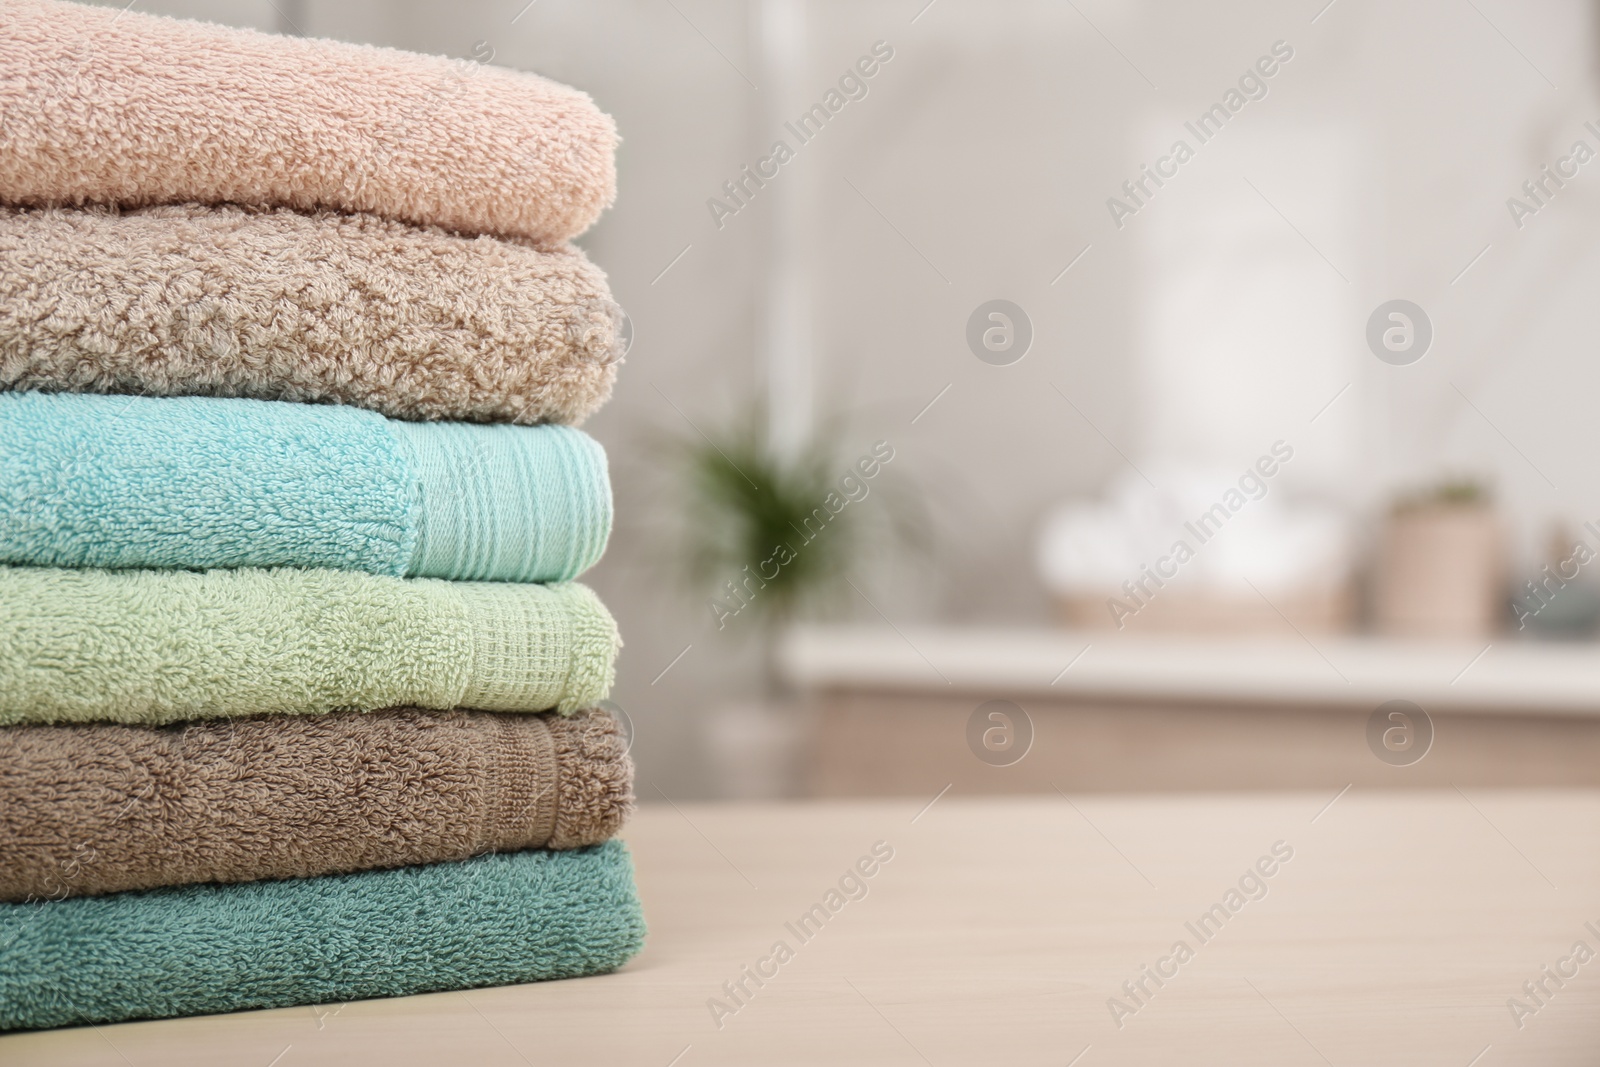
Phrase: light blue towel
(198, 949)
(202, 482)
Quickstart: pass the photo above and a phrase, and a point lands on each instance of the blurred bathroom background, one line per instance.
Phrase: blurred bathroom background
(820, 317)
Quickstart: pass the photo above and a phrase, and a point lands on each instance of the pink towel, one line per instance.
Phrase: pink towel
(117, 107)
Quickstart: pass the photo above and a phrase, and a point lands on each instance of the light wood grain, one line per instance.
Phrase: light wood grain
(999, 930)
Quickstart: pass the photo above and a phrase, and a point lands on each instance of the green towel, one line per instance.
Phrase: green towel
(155, 647)
(199, 482)
(493, 920)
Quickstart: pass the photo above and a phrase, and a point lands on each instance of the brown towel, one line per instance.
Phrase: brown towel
(103, 808)
(412, 322)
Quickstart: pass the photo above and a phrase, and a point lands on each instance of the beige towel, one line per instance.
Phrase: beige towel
(103, 808)
(99, 105)
(412, 322)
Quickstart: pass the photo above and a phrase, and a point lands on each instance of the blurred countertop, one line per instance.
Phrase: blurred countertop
(1535, 678)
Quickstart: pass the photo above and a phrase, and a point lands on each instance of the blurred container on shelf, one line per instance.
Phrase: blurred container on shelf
(1441, 565)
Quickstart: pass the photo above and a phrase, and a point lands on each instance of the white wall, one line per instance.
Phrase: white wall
(991, 142)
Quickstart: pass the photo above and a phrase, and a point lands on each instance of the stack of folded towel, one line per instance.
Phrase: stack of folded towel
(297, 694)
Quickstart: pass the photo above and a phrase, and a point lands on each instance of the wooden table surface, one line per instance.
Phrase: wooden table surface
(1001, 928)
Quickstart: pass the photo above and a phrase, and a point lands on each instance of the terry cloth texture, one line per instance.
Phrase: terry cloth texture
(127, 108)
(155, 647)
(326, 308)
(494, 920)
(102, 808)
(198, 482)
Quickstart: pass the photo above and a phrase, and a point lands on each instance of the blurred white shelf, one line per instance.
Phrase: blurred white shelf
(1507, 674)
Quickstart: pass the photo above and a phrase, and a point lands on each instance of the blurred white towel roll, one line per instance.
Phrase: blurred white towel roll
(1092, 547)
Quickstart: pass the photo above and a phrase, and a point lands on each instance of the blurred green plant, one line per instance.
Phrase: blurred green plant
(756, 539)
(1455, 492)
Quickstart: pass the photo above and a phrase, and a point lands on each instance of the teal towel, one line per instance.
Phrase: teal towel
(201, 482)
(153, 647)
(192, 950)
